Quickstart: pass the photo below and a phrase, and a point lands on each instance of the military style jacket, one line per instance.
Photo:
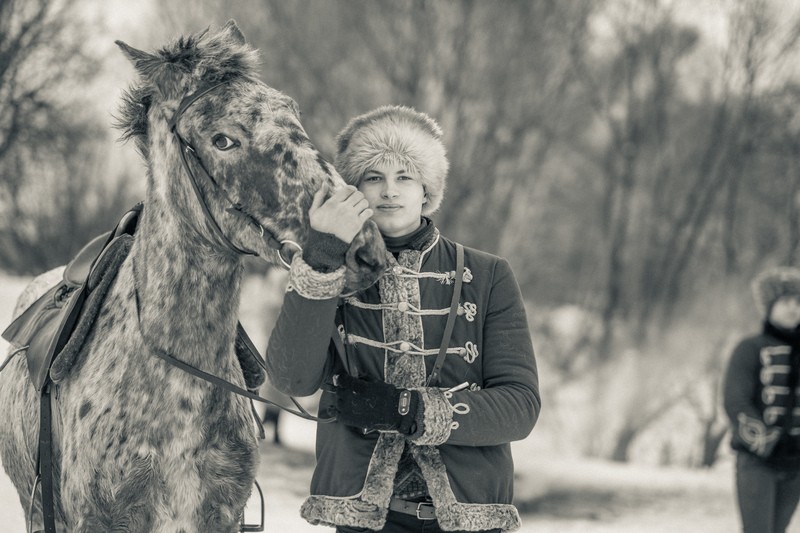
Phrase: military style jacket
(762, 396)
(392, 331)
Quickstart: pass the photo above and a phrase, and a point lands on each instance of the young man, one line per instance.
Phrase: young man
(415, 445)
(761, 399)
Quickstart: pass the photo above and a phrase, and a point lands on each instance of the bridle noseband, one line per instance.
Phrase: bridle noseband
(186, 151)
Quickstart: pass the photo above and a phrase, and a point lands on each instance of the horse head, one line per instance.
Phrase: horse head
(248, 171)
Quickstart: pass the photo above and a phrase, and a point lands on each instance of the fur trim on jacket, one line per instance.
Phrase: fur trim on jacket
(391, 332)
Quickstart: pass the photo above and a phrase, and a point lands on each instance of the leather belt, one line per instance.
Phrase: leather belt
(422, 510)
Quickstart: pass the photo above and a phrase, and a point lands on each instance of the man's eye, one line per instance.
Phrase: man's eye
(223, 142)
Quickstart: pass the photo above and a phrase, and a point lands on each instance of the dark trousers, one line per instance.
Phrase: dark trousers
(767, 495)
(404, 523)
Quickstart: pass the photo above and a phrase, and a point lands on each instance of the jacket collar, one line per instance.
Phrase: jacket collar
(791, 337)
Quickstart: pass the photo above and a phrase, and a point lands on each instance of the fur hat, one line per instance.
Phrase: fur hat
(395, 134)
(775, 283)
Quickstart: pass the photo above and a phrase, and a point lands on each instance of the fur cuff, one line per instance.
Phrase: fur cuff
(314, 285)
(330, 511)
(436, 420)
(478, 517)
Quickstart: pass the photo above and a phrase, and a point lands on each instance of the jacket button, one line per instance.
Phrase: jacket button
(402, 306)
(404, 346)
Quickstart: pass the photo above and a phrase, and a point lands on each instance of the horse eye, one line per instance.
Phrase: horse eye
(223, 142)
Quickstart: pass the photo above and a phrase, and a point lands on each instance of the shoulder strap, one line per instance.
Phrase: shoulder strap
(433, 379)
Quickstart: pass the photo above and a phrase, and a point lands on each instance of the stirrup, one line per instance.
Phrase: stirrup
(256, 528)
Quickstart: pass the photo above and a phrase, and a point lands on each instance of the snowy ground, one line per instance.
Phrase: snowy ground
(555, 494)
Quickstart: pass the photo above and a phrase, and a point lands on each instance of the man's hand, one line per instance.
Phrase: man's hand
(375, 405)
(343, 214)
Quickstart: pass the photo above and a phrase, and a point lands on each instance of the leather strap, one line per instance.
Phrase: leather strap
(185, 148)
(46, 461)
(230, 387)
(341, 351)
(433, 379)
(422, 510)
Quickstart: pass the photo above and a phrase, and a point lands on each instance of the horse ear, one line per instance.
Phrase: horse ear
(141, 60)
(232, 30)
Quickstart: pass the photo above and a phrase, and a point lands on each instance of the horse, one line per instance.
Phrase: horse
(143, 445)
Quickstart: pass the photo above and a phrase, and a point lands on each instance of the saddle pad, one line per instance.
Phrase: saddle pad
(100, 281)
(47, 325)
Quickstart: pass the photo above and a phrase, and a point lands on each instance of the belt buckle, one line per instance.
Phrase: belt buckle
(420, 507)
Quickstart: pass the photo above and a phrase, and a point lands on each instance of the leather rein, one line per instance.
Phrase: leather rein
(188, 151)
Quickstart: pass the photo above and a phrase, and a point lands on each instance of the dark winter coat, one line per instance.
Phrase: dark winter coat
(761, 391)
(392, 332)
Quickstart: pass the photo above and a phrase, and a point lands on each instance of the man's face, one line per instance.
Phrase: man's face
(785, 312)
(395, 196)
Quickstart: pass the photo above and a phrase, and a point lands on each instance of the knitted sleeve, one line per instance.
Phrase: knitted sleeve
(324, 252)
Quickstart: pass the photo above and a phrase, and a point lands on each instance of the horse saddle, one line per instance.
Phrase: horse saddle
(54, 327)
(46, 326)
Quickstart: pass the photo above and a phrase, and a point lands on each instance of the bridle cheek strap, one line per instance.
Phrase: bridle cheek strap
(186, 149)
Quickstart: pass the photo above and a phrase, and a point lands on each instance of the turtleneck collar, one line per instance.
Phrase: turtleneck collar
(416, 240)
(790, 336)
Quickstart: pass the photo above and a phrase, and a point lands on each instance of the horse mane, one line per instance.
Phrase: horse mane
(178, 68)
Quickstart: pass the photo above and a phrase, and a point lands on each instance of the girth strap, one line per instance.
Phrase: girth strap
(46, 460)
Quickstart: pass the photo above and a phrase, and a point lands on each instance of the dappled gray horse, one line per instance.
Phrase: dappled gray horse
(144, 446)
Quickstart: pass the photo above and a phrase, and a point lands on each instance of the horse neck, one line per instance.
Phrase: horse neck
(188, 291)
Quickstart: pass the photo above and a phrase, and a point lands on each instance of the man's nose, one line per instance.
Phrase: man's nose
(389, 189)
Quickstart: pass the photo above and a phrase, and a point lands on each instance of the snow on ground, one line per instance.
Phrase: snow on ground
(555, 493)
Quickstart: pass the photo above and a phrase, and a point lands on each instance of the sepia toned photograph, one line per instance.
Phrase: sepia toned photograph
(400, 266)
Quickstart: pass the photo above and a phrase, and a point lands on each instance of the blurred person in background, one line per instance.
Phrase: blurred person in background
(414, 447)
(761, 399)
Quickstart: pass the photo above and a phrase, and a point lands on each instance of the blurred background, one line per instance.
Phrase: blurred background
(635, 160)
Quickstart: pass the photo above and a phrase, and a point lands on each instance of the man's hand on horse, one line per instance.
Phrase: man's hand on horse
(342, 215)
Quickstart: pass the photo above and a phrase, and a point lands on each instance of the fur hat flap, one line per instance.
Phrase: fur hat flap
(775, 283)
(397, 135)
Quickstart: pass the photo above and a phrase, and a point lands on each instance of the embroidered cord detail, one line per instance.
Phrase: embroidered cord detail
(471, 352)
(399, 346)
(771, 414)
(770, 392)
(468, 309)
(769, 371)
(756, 435)
(445, 278)
(403, 307)
(769, 352)
(459, 409)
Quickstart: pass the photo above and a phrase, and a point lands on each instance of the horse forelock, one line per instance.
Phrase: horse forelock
(178, 69)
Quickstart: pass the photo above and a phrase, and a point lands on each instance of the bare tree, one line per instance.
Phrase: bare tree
(49, 203)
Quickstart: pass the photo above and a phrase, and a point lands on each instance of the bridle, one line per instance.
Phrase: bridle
(187, 151)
